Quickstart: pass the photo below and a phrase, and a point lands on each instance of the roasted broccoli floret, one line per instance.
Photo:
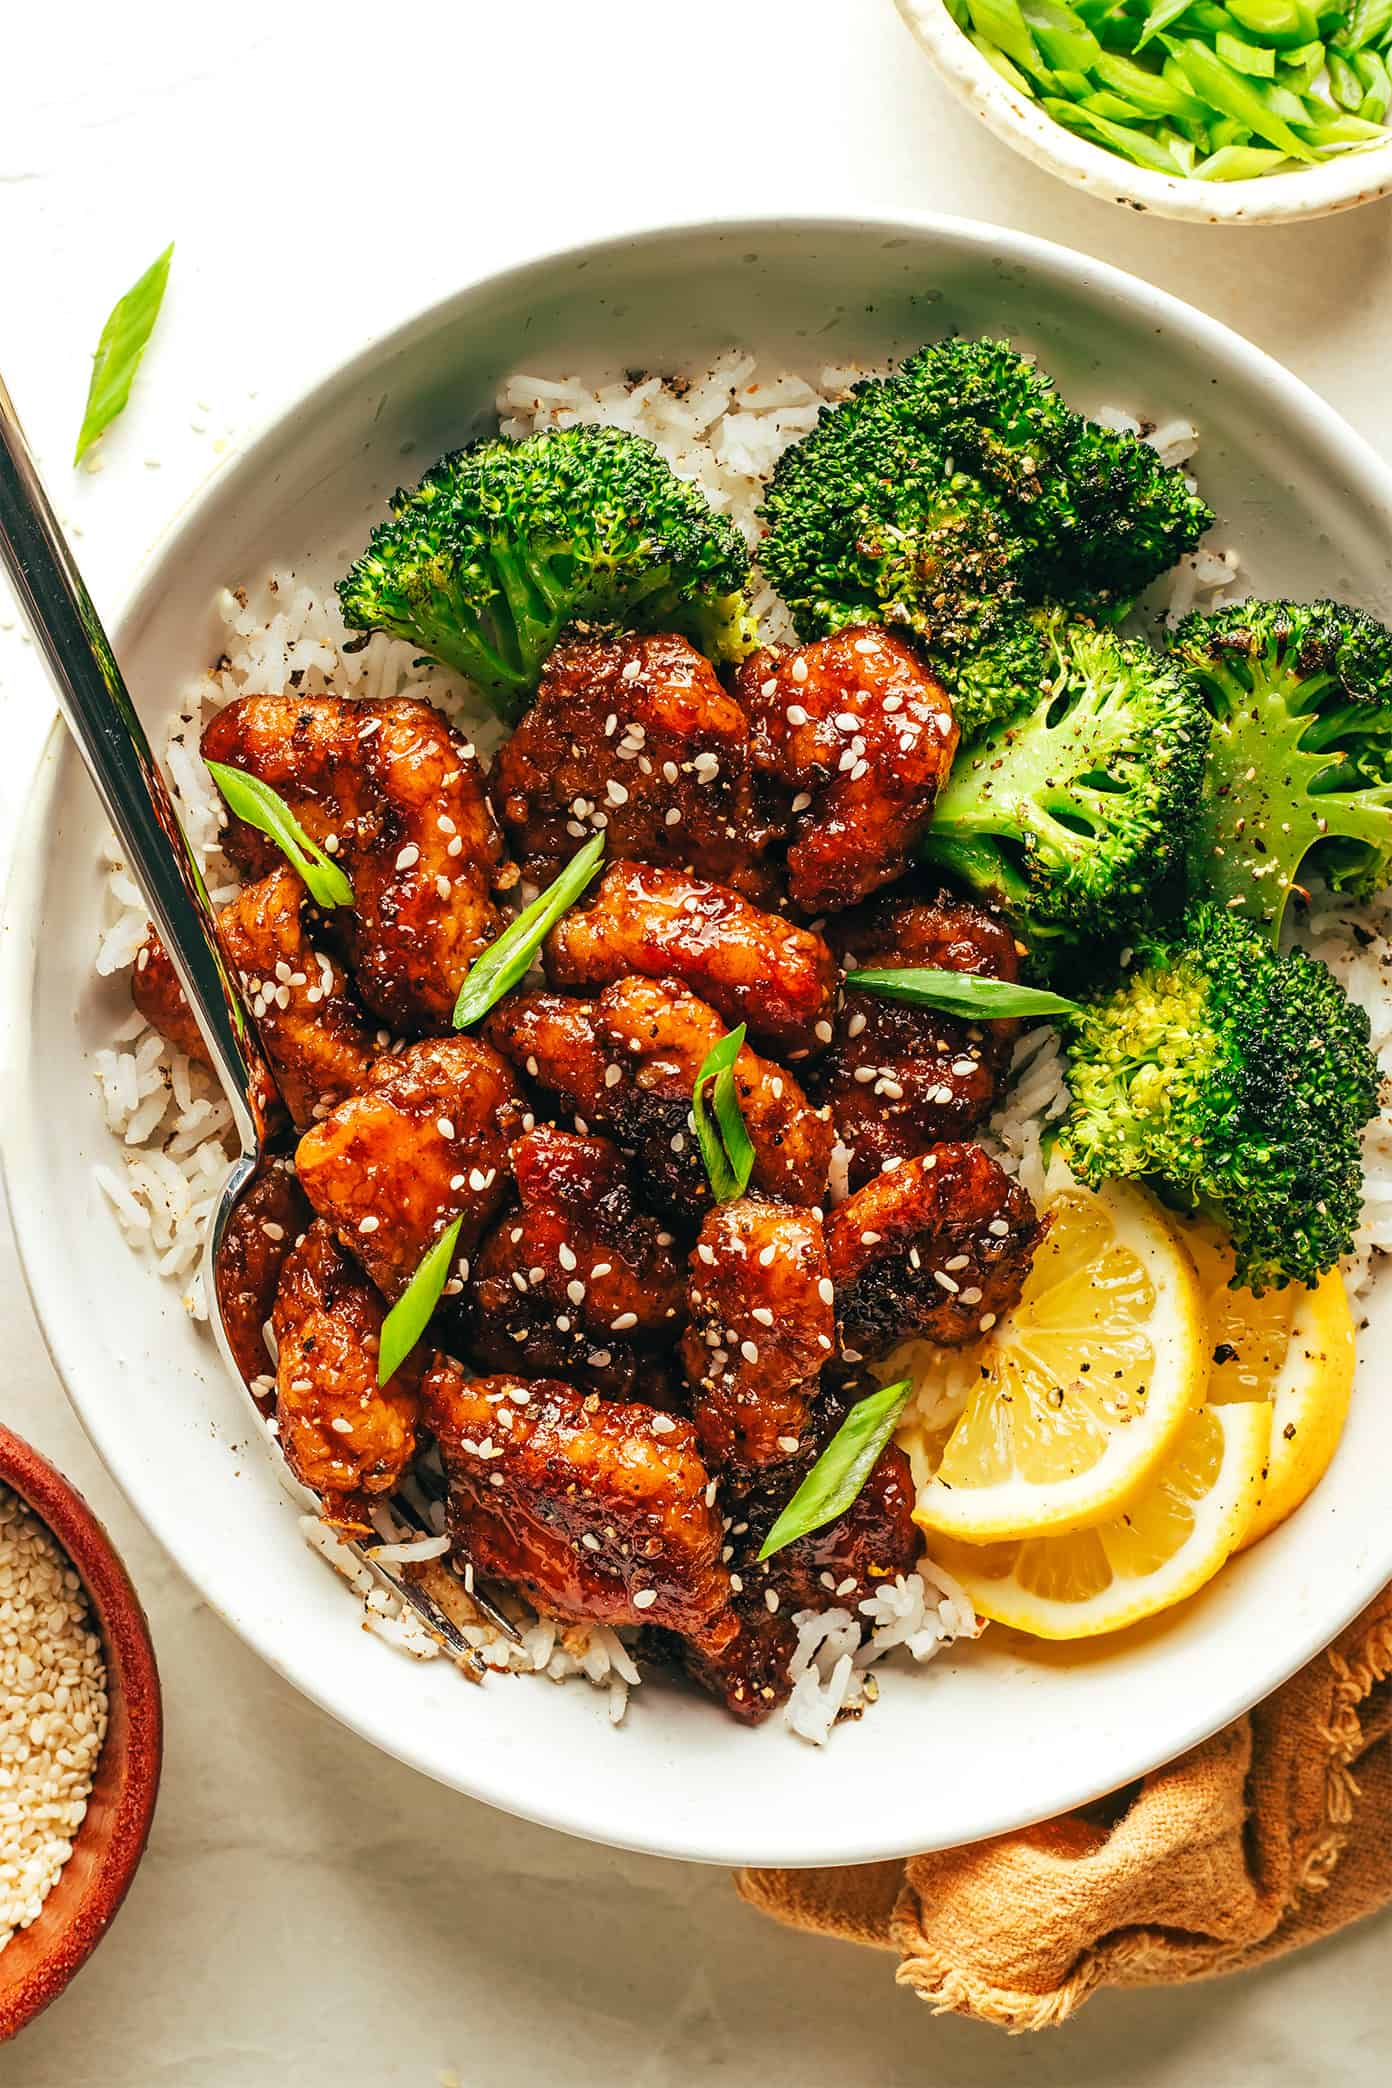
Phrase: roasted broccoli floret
(1236, 1082)
(1070, 815)
(869, 520)
(1102, 514)
(1001, 676)
(505, 543)
(938, 497)
(1300, 758)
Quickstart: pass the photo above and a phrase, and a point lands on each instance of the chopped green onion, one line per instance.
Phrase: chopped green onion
(497, 970)
(1239, 163)
(1191, 89)
(1160, 17)
(961, 993)
(249, 799)
(410, 1316)
(843, 1467)
(725, 1145)
(1344, 82)
(123, 341)
(1256, 60)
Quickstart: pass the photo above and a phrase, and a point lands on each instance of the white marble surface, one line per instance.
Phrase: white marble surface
(309, 1913)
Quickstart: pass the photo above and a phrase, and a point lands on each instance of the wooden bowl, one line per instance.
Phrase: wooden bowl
(38, 1962)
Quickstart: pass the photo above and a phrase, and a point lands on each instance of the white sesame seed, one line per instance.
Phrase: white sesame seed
(575, 1291)
(763, 1315)
(645, 1598)
(368, 1224)
(409, 857)
(949, 1283)
(988, 1320)
(750, 1351)
(624, 1321)
(825, 1290)
(445, 1126)
(565, 1256)
(822, 1032)
(802, 801)
(662, 1424)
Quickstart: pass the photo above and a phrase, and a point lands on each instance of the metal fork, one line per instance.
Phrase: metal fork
(102, 719)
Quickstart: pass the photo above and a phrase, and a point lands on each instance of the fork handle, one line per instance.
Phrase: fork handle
(101, 717)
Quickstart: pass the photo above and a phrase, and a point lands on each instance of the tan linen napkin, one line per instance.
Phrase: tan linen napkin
(1272, 1834)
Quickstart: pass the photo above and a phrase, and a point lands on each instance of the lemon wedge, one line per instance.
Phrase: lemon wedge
(1071, 1403)
(1163, 1544)
(1293, 1349)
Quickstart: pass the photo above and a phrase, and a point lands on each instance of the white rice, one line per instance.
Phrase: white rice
(724, 427)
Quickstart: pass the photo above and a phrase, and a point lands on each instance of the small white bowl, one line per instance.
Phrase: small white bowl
(1275, 199)
(990, 1735)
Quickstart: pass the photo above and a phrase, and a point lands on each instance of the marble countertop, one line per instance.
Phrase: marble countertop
(309, 1912)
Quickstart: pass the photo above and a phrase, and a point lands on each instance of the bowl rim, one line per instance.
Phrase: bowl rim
(1342, 183)
(965, 236)
(133, 1674)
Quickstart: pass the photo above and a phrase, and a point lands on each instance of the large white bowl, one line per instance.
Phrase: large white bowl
(991, 1736)
(1274, 199)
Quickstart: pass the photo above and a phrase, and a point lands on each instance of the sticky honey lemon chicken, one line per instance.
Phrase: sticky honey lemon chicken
(344, 1436)
(627, 1063)
(398, 798)
(313, 1030)
(749, 965)
(835, 1567)
(263, 1228)
(761, 1328)
(899, 1079)
(577, 1281)
(592, 1508)
(937, 1247)
(633, 736)
(424, 1141)
(856, 737)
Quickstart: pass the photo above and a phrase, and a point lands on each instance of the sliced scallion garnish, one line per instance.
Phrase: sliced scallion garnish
(248, 798)
(410, 1316)
(961, 993)
(725, 1143)
(843, 1467)
(129, 325)
(509, 958)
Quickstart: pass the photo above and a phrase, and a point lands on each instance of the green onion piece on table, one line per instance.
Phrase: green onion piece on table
(410, 1316)
(843, 1467)
(248, 798)
(725, 1144)
(497, 970)
(123, 340)
(962, 993)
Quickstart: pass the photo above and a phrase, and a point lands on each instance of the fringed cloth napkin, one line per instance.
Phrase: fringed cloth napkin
(1274, 1833)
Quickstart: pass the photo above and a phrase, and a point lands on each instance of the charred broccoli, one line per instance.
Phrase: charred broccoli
(1300, 758)
(504, 543)
(1236, 1082)
(1070, 815)
(940, 498)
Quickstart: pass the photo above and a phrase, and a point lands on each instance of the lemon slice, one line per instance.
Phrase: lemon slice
(1075, 1398)
(1294, 1349)
(1171, 1537)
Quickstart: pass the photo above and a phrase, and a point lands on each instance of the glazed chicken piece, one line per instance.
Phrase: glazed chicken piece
(835, 1567)
(398, 799)
(592, 1509)
(343, 1436)
(858, 738)
(633, 736)
(938, 1247)
(900, 1079)
(577, 1282)
(761, 1327)
(425, 1141)
(749, 965)
(265, 1225)
(314, 1034)
(627, 1063)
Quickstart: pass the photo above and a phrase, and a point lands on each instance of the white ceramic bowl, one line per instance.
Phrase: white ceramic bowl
(1275, 199)
(992, 1735)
